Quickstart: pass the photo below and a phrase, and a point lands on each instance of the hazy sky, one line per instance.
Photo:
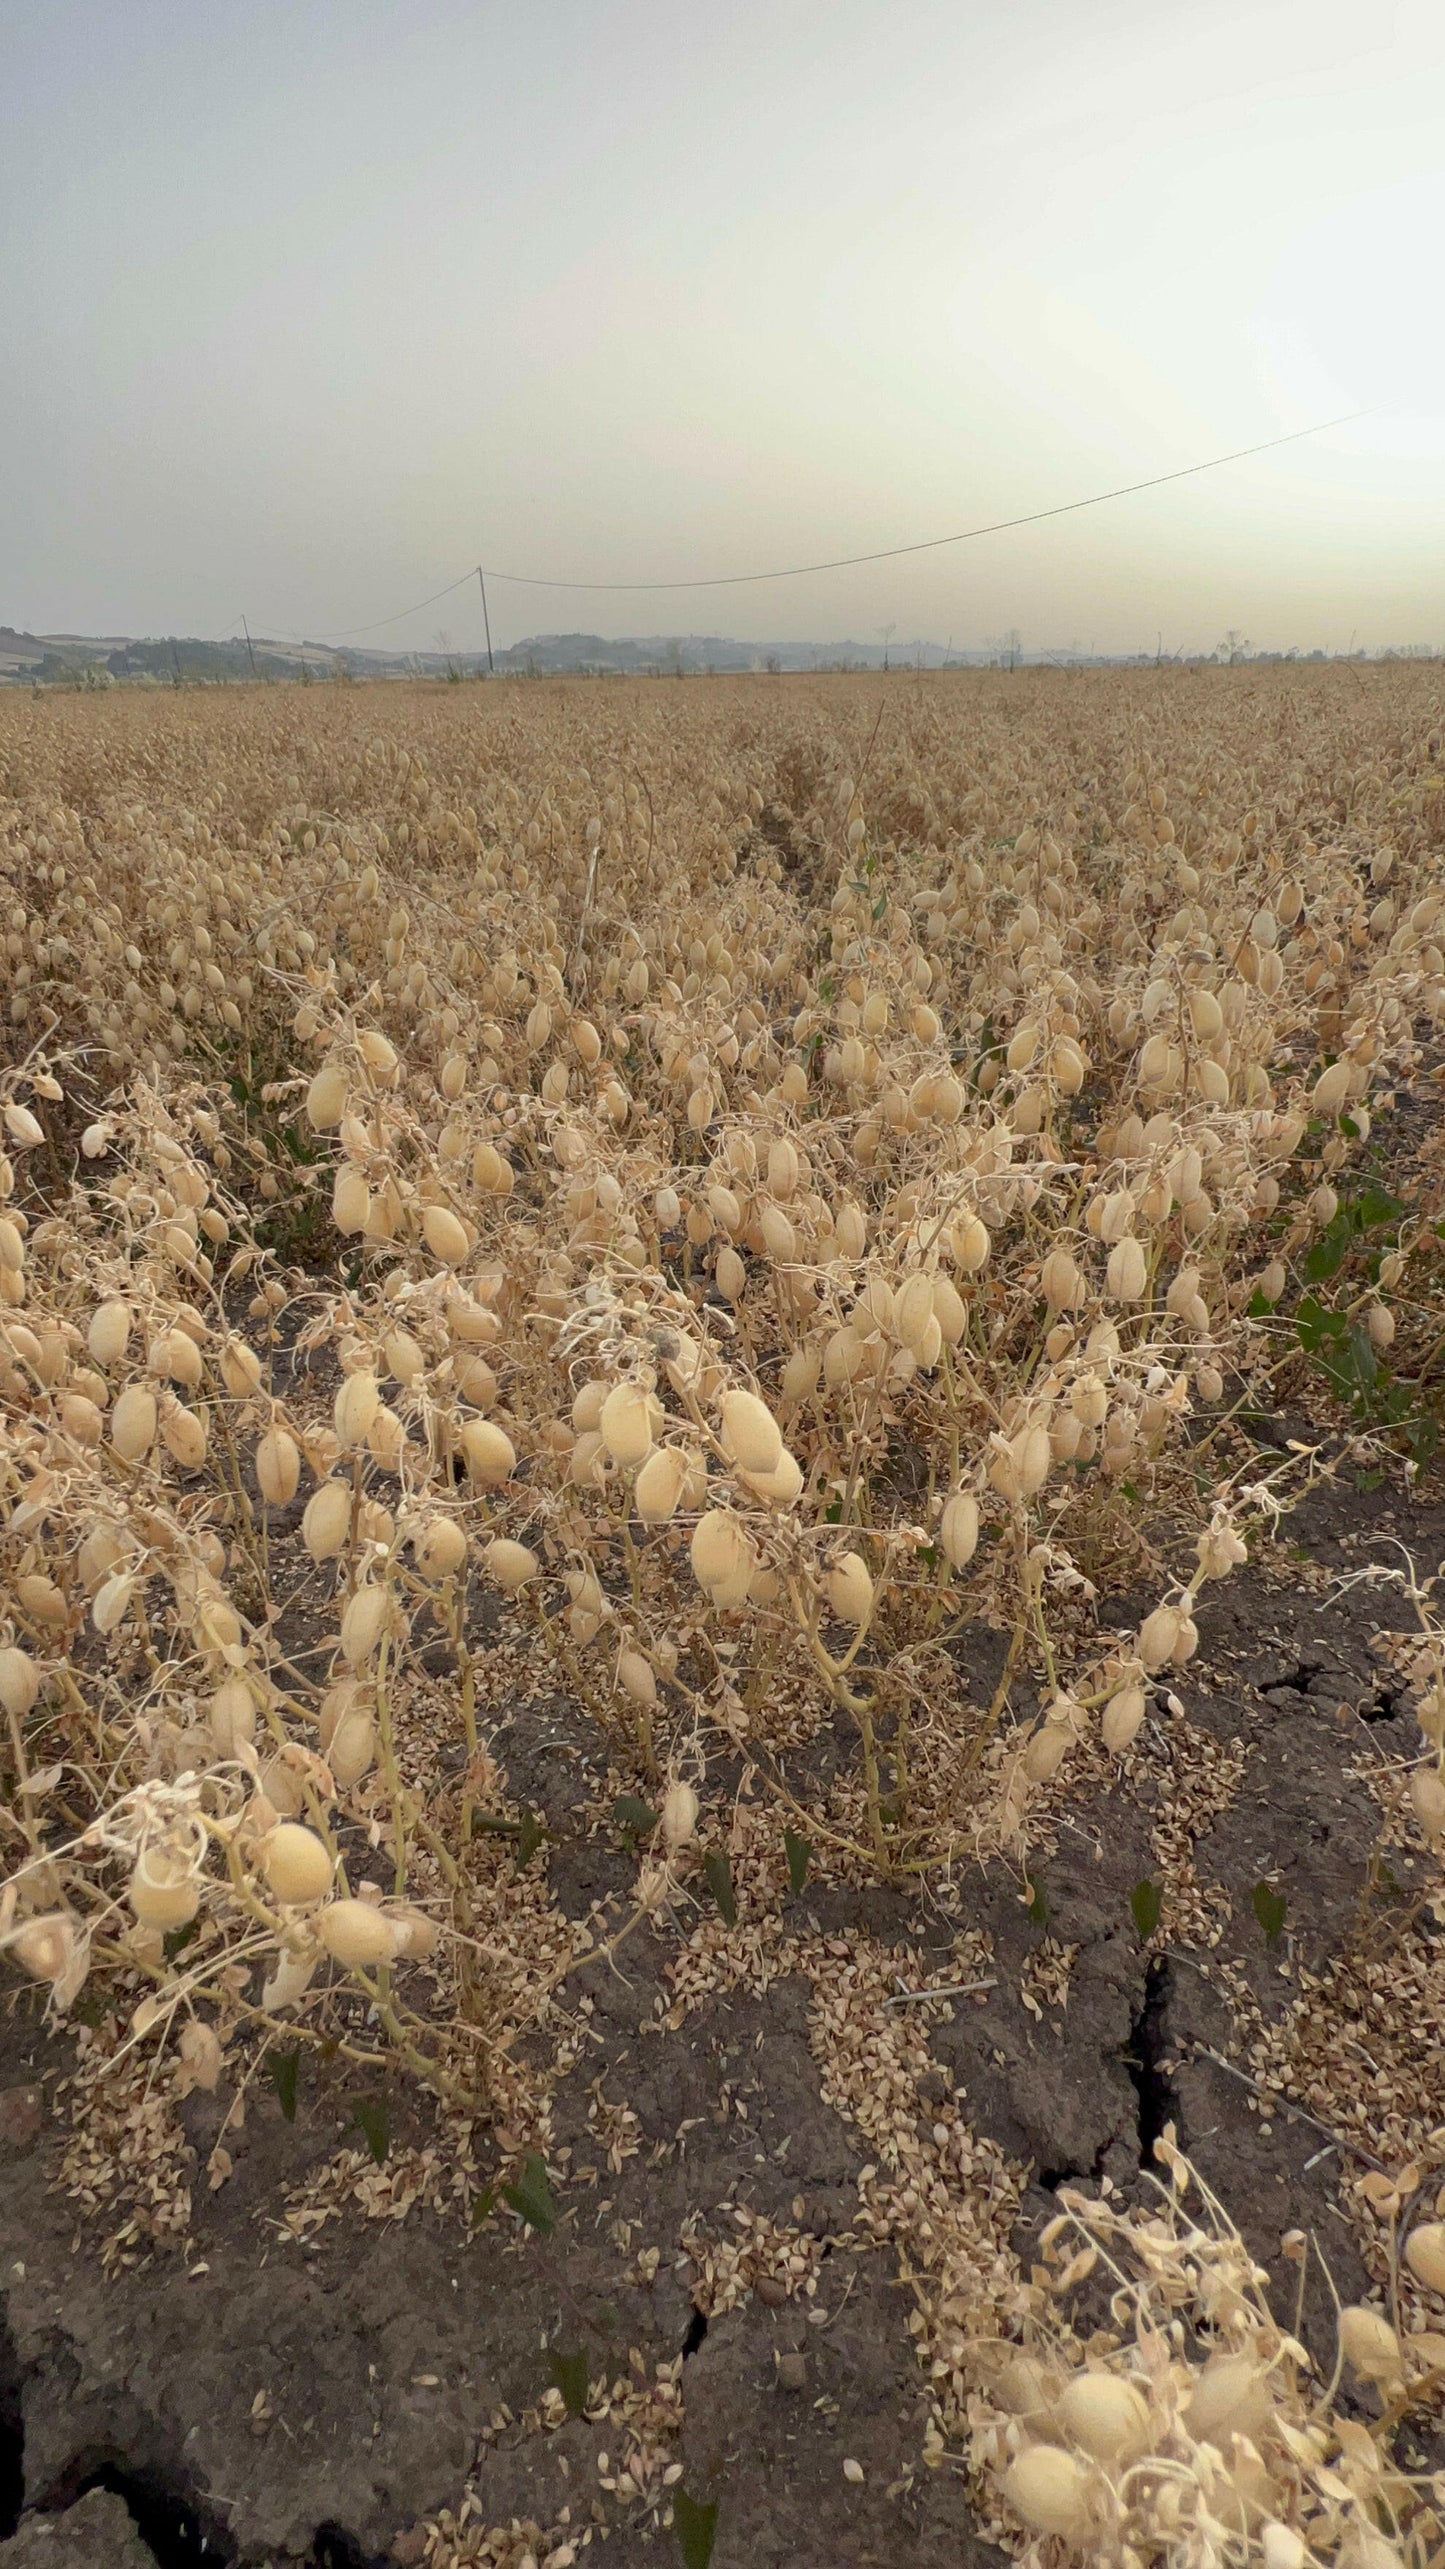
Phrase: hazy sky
(305, 307)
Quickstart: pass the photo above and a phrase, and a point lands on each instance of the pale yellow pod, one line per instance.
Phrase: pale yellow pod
(850, 1589)
(509, 1564)
(1368, 2343)
(1044, 1752)
(1158, 1636)
(1049, 2490)
(356, 1405)
(489, 1453)
(350, 1200)
(109, 1331)
(958, 1531)
(163, 1889)
(720, 1550)
(40, 1598)
(19, 1681)
(440, 1548)
(45, 1946)
(949, 1310)
(635, 1677)
(660, 1483)
(1425, 2255)
(679, 1816)
(405, 1358)
(587, 1406)
(133, 1422)
(356, 1935)
(352, 1748)
(1060, 1281)
(326, 1520)
(1331, 1090)
(1123, 1719)
(296, 1864)
(1032, 1457)
(913, 1311)
(326, 1097)
(779, 1488)
(750, 1432)
(231, 1717)
(278, 1467)
(731, 1273)
(778, 1235)
(363, 1623)
(474, 1378)
(1427, 1796)
(178, 1357)
(625, 1421)
(1127, 1270)
(81, 1419)
(444, 1235)
(470, 1323)
(240, 1369)
(969, 1241)
(587, 1467)
(801, 1373)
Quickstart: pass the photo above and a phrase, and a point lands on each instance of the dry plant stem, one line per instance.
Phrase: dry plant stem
(1285, 2105)
(396, 1796)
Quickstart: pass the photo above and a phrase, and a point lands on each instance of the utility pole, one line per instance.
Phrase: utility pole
(250, 654)
(486, 621)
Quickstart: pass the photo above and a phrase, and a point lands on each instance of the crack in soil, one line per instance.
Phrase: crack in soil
(163, 2508)
(1145, 2061)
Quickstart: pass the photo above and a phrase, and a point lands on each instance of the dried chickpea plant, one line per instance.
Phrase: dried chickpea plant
(721, 1206)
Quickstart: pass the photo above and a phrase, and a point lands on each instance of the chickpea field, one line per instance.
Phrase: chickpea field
(722, 1672)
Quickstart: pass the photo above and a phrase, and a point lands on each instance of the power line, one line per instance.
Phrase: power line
(849, 561)
(934, 543)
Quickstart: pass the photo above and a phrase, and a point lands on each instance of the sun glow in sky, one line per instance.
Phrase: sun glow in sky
(305, 307)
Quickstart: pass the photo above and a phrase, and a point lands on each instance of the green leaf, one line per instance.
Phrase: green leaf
(374, 2117)
(283, 2068)
(1374, 1207)
(636, 1817)
(1259, 1308)
(1146, 1907)
(1363, 1363)
(176, 1939)
(1269, 1908)
(696, 2527)
(532, 2197)
(483, 2206)
(1326, 1255)
(530, 1834)
(930, 1556)
(718, 1874)
(1038, 1904)
(1315, 1323)
(569, 2372)
(799, 1852)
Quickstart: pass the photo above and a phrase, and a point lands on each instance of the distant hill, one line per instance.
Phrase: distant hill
(104, 660)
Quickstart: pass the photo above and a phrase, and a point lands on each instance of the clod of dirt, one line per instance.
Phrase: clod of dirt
(96, 2533)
